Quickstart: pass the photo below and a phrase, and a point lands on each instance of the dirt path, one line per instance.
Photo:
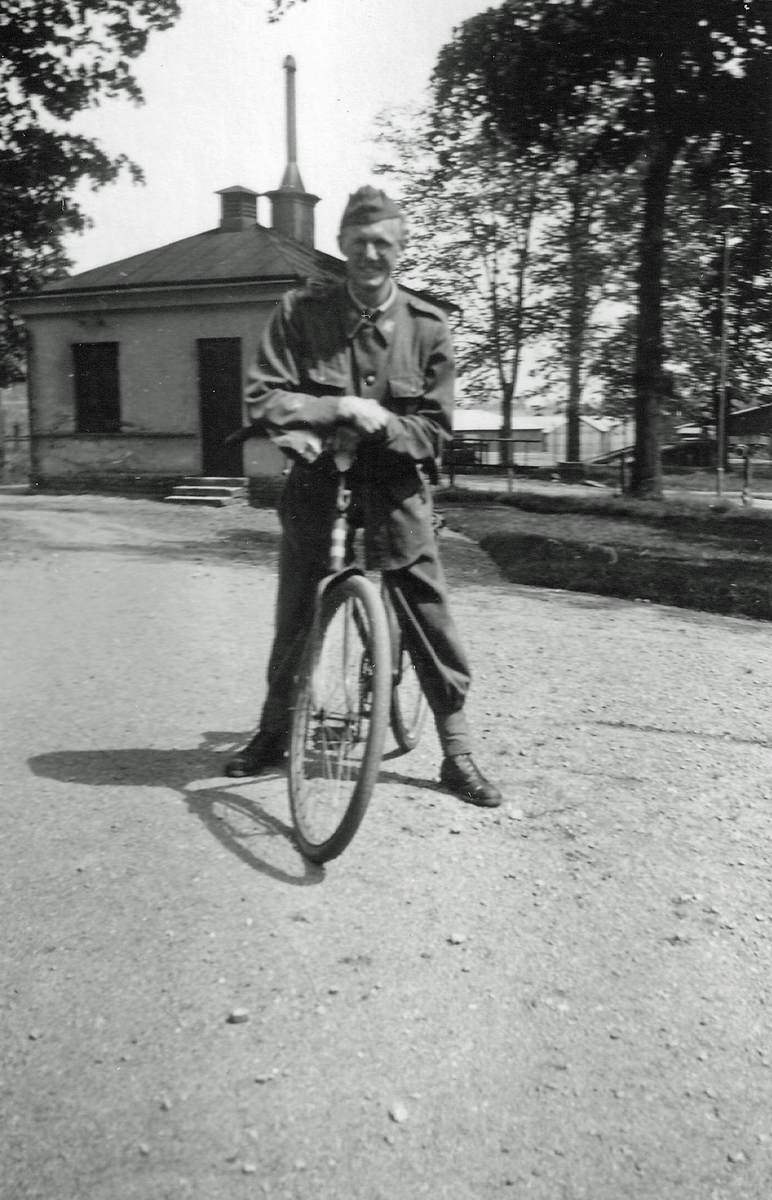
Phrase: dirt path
(568, 998)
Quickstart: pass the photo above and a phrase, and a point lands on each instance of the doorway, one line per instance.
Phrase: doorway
(220, 395)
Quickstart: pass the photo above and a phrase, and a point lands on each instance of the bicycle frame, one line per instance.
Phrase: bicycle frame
(338, 568)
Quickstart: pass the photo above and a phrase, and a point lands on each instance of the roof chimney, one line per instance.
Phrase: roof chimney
(238, 209)
(292, 207)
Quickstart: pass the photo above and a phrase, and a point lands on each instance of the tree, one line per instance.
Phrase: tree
(470, 210)
(647, 81)
(524, 246)
(692, 317)
(580, 265)
(59, 58)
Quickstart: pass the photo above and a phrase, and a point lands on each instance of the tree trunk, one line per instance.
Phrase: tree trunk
(577, 241)
(523, 261)
(573, 448)
(646, 478)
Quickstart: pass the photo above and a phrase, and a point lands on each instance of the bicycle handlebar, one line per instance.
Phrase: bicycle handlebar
(245, 433)
(343, 442)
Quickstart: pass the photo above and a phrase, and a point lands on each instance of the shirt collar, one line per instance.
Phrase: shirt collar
(372, 314)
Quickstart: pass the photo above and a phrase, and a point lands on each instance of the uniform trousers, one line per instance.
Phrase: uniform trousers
(419, 596)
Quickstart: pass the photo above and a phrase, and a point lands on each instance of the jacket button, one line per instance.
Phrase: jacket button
(370, 379)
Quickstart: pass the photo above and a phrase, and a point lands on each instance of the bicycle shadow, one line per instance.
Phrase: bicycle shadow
(232, 818)
(413, 781)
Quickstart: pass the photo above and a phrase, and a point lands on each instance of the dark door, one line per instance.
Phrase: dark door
(220, 390)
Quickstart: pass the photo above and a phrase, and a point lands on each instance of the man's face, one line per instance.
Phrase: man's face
(371, 252)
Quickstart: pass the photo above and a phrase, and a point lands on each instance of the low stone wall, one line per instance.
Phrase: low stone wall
(107, 483)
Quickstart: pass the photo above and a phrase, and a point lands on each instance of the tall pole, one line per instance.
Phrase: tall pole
(292, 147)
(728, 214)
(292, 207)
(721, 414)
(291, 178)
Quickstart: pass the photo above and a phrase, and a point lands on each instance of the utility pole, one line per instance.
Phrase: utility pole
(728, 213)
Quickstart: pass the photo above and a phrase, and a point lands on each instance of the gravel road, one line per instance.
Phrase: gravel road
(566, 998)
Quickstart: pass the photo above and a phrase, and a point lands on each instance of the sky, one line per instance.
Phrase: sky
(214, 112)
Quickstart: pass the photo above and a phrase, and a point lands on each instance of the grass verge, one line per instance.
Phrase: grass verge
(667, 552)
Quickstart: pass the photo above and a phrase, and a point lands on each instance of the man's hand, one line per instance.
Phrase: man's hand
(366, 415)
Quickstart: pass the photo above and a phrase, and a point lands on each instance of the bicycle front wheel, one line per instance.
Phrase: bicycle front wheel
(340, 718)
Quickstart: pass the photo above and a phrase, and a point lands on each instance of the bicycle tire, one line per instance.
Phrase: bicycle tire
(409, 706)
(340, 718)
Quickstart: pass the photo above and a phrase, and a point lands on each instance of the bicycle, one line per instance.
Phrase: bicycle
(356, 678)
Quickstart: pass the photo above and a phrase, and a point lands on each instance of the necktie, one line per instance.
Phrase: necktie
(369, 335)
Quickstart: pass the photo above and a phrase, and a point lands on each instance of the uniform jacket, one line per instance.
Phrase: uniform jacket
(310, 355)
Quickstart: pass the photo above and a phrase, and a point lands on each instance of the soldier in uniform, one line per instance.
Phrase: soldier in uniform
(367, 356)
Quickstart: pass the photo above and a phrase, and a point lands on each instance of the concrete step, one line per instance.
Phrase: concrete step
(207, 489)
(200, 501)
(217, 480)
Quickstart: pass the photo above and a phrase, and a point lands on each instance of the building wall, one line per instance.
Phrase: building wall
(158, 369)
(263, 459)
(14, 434)
(593, 442)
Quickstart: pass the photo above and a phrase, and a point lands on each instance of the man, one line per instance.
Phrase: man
(366, 356)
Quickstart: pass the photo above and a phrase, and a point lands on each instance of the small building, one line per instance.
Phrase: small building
(136, 369)
(537, 440)
(751, 426)
(477, 438)
(598, 437)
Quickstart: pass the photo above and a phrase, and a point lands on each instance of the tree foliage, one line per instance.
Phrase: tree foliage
(659, 83)
(470, 208)
(278, 9)
(59, 57)
(521, 241)
(580, 277)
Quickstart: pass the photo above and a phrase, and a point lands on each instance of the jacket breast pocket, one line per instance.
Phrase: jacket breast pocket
(406, 393)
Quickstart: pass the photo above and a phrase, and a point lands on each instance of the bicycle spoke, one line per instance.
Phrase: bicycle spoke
(333, 750)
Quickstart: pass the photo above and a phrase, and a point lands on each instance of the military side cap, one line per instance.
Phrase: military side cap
(368, 205)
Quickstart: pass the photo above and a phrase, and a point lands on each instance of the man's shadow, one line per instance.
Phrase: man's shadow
(229, 816)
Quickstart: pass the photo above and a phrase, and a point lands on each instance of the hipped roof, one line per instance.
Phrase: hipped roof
(217, 256)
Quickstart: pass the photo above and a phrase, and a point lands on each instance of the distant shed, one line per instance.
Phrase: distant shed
(538, 440)
(751, 425)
